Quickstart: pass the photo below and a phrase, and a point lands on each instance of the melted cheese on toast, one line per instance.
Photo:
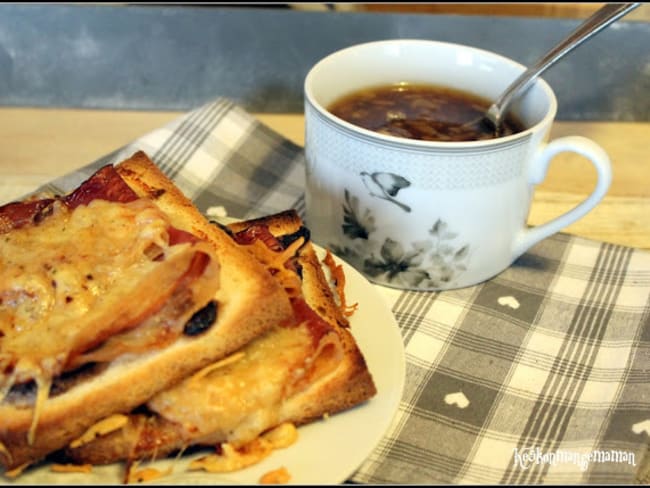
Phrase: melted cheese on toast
(79, 276)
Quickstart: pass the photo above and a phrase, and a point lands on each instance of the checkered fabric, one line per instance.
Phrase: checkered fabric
(540, 375)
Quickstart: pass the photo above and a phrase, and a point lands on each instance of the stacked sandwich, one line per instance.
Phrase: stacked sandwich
(132, 328)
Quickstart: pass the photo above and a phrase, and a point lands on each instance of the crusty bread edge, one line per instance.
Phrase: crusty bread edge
(351, 383)
(250, 302)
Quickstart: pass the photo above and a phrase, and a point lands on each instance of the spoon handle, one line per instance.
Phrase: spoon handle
(590, 27)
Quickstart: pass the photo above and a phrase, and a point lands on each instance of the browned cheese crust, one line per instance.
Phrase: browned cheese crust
(351, 383)
(249, 303)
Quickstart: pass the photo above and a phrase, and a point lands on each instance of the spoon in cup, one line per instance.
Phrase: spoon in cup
(590, 27)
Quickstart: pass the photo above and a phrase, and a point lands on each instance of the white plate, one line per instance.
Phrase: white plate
(328, 451)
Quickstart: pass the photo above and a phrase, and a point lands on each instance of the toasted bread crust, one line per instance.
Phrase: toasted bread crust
(351, 383)
(348, 385)
(249, 302)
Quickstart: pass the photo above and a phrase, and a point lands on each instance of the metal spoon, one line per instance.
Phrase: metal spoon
(590, 27)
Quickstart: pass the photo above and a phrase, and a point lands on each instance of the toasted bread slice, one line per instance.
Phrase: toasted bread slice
(349, 382)
(214, 307)
(296, 372)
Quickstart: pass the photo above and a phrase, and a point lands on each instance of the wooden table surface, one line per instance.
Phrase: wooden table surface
(37, 145)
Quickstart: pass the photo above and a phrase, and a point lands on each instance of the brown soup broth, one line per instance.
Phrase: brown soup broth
(425, 112)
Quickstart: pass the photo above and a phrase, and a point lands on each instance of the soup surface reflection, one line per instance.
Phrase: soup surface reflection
(425, 112)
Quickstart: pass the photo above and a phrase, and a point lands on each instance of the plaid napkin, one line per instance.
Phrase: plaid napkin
(540, 375)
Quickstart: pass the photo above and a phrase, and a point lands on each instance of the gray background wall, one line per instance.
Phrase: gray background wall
(178, 57)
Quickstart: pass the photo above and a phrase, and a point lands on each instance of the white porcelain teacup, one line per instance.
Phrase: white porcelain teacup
(427, 215)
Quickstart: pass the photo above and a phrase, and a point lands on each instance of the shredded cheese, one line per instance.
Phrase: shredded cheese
(281, 436)
(14, 473)
(54, 277)
(276, 477)
(43, 385)
(275, 263)
(62, 280)
(135, 475)
(234, 459)
(243, 399)
(233, 358)
(103, 427)
(338, 278)
(71, 468)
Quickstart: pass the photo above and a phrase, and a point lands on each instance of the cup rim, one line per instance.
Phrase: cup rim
(390, 139)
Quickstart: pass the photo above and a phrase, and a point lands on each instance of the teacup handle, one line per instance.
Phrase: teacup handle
(596, 155)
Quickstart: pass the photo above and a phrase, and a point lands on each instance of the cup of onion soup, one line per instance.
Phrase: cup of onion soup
(402, 180)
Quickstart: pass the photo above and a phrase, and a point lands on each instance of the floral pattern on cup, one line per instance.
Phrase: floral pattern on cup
(423, 264)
